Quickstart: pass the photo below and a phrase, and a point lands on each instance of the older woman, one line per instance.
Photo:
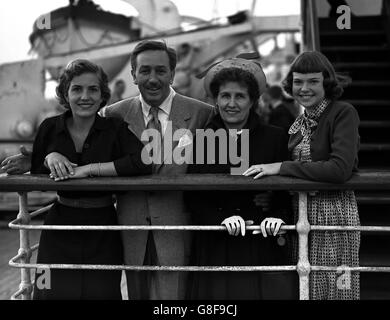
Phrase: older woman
(324, 144)
(82, 142)
(236, 85)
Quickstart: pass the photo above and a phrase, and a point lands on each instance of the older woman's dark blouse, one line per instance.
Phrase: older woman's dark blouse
(108, 140)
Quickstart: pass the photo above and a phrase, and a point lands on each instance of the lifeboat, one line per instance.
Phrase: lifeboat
(82, 26)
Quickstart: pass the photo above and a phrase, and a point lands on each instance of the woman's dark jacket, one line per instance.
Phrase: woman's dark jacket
(334, 146)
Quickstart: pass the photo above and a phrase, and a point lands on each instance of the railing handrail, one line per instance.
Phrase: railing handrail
(369, 180)
(365, 180)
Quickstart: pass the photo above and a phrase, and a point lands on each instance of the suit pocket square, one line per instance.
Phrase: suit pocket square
(185, 140)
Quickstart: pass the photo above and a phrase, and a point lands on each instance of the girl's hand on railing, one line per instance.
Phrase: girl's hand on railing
(60, 167)
(262, 170)
(236, 225)
(263, 200)
(270, 226)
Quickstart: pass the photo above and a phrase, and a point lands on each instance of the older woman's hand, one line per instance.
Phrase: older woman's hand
(235, 225)
(60, 167)
(261, 170)
(270, 226)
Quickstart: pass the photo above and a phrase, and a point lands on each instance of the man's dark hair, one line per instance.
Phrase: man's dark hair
(152, 45)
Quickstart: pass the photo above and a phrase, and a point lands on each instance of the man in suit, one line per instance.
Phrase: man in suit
(153, 70)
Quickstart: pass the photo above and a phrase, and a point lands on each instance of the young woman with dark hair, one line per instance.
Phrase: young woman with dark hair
(77, 144)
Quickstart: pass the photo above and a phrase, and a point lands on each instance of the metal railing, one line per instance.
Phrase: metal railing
(22, 184)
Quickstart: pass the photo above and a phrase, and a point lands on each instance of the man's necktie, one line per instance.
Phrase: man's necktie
(154, 123)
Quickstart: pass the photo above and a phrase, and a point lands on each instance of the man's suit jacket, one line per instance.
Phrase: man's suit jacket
(158, 208)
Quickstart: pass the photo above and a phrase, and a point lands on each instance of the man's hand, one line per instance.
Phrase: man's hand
(60, 167)
(19, 163)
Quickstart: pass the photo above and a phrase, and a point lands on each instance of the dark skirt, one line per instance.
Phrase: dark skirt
(79, 247)
(219, 248)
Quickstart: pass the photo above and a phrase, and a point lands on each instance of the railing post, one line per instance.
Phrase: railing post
(303, 229)
(25, 249)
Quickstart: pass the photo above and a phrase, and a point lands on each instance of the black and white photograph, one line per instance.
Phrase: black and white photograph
(195, 157)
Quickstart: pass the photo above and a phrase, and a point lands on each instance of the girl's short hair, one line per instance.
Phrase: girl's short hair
(243, 77)
(313, 62)
(76, 68)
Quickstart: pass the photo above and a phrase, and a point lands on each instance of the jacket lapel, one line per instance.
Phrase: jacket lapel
(135, 118)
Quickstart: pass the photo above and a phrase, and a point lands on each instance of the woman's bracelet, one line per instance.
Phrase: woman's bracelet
(95, 172)
(90, 170)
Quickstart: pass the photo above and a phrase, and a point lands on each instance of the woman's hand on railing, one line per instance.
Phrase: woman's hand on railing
(19, 163)
(81, 172)
(262, 170)
(60, 167)
(78, 173)
(270, 226)
(263, 200)
(236, 225)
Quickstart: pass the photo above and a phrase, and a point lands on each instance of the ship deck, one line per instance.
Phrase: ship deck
(10, 277)
(9, 245)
